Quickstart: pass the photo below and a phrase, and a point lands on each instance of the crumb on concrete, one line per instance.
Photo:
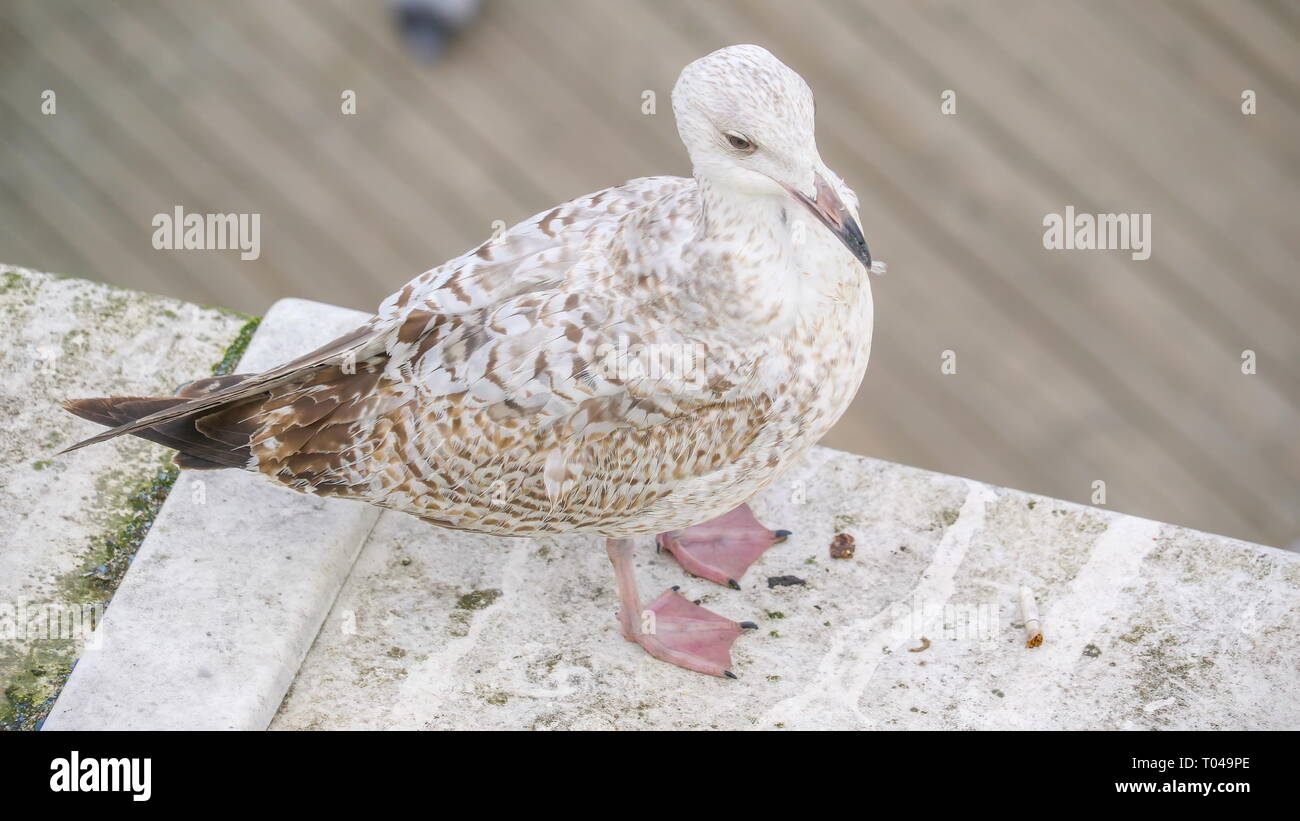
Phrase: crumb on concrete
(784, 581)
(842, 546)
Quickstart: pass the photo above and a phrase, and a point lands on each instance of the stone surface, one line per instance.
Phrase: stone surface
(1147, 625)
(66, 516)
(229, 589)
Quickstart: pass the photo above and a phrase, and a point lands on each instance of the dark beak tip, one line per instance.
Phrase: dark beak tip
(851, 235)
(859, 245)
(830, 210)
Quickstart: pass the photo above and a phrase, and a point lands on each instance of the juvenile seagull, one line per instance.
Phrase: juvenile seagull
(640, 360)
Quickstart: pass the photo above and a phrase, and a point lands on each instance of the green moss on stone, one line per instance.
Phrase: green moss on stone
(478, 600)
(109, 556)
(30, 692)
(236, 350)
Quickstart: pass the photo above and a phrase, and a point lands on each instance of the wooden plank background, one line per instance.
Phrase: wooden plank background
(1071, 366)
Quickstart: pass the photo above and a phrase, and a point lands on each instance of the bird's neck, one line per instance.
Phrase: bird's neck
(726, 214)
(763, 256)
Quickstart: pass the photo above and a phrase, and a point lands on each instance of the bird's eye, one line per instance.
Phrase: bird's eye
(739, 143)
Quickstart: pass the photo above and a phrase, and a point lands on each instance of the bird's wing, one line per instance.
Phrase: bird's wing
(538, 253)
(517, 360)
(508, 264)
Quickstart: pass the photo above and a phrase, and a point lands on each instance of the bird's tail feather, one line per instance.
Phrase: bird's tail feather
(201, 441)
(211, 421)
(198, 445)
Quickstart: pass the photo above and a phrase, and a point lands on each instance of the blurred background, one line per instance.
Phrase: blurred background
(1072, 366)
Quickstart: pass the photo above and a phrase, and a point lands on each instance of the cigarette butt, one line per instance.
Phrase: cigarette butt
(1029, 613)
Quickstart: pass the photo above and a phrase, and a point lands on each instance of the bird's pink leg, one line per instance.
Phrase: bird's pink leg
(721, 549)
(672, 628)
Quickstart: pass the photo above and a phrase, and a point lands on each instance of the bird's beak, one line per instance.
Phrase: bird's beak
(827, 206)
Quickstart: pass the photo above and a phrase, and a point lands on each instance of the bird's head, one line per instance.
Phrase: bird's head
(747, 121)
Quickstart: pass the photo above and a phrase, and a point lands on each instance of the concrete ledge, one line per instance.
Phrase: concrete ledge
(229, 589)
(1147, 625)
(71, 524)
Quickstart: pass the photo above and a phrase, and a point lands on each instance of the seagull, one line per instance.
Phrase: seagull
(641, 360)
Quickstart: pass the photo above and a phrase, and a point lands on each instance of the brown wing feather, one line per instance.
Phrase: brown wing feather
(310, 434)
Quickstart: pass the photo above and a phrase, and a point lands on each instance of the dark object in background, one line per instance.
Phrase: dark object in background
(427, 26)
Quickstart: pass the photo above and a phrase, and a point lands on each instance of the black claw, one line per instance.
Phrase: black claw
(782, 535)
(676, 587)
(748, 625)
(732, 584)
(729, 674)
